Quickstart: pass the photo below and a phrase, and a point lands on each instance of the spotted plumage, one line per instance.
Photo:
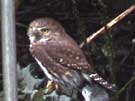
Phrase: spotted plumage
(59, 56)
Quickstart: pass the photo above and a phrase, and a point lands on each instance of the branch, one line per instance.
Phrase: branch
(123, 88)
(21, 25)
(108, 26)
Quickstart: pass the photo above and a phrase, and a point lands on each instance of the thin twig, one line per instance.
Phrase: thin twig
(21, 25)
(108, 26)
(123, 89)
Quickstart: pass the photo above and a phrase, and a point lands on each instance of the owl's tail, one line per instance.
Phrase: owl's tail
(97, 78)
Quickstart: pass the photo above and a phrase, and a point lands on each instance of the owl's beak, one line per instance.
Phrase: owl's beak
(32, 34)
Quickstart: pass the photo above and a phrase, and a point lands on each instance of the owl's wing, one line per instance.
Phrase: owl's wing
(62, 57)
(69, 55)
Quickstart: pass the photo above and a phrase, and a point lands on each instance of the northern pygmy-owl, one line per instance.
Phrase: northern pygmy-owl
(59, 56)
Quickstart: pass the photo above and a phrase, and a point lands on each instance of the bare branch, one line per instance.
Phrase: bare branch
(108, 26)
(123, 89)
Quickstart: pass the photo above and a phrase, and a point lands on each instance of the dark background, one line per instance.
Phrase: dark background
(112, 54)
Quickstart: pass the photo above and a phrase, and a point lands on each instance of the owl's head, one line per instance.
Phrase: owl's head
(44, 29)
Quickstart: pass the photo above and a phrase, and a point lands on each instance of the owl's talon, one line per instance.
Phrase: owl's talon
(51, 86)
(56, 86)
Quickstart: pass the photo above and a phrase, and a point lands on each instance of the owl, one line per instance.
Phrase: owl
(59, 56)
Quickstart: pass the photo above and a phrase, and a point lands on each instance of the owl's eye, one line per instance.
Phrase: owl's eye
(45, 31)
